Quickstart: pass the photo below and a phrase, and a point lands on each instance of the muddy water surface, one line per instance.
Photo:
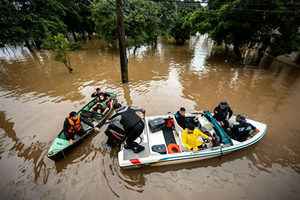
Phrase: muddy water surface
(36, 93)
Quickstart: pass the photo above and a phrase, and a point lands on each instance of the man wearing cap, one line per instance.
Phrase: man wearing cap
(72, 126)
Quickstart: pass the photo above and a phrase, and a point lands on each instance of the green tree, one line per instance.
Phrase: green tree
(174, 19)
(30, 22)
(10, 27)
(78, 18)
(180, 27)
(60, 47)
(141, 20)
(244, 23)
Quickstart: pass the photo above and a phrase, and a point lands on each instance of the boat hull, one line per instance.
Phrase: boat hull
(59, 154)
(189, 156)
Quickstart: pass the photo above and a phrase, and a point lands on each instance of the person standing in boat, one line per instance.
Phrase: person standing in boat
(241, 130)
(72, 126)
(126, 125)
(180, 118)
(222, 113)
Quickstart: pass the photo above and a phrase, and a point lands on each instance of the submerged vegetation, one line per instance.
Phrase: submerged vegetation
(265, 27)
(60, 46)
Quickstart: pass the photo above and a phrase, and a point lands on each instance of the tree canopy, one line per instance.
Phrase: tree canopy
(272, 23)
(240, 23)
(141, 19)
(31, 22)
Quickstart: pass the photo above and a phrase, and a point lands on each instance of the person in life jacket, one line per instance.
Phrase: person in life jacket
(222, 113)
(72, 126)
(126, 126)
(102, 98)
(194, 139)
(241, 130)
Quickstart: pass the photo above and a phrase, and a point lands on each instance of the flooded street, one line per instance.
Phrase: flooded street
(36, 94)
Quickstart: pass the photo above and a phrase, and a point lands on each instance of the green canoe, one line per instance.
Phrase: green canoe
(89, 120)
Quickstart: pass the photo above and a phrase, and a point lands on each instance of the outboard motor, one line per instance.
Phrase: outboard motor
(116, 136)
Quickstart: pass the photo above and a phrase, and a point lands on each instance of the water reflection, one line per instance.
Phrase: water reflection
(85, 152)
(202, 46)
(36, 93)
(34, 153)
(10, 54)
(127, 96)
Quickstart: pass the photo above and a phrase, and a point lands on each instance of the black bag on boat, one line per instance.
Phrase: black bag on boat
(156, 124)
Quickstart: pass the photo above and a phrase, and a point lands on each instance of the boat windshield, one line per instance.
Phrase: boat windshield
(224, 138)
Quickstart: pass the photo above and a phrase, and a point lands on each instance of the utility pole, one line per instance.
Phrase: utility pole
(121, 37)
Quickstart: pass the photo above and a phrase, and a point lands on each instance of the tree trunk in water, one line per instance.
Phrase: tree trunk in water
(297, 59)
(134, 50)
(82, 33)
(237, 51)
(226, 49)
(68, 64)
(259, 54)
(267, 59)
(27, 44)
(121, 37)
(90, 35)
(38, 44)
(179, 41)
(74, 36)
(154, 44)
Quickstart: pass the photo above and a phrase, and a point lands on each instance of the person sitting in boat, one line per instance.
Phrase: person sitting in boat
(126, 125)
(72, 126)
(222, 113)
(102, 107)
(194, 139)
(102, 97)
(180, 118)
(241, 130)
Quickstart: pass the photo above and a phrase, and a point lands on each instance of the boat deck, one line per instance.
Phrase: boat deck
(127, 158)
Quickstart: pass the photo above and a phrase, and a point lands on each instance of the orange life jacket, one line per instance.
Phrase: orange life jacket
(74, 126)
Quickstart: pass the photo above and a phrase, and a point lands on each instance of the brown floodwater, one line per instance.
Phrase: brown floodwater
(36, 93)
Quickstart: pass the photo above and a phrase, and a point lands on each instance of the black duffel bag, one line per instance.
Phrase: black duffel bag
(156, 124)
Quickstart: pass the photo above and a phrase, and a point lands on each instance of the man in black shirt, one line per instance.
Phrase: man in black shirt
(126, 125)
(222, 113)
(241, 131)
(180, 118)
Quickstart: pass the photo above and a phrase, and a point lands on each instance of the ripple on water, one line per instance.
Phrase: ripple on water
(37, 93)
